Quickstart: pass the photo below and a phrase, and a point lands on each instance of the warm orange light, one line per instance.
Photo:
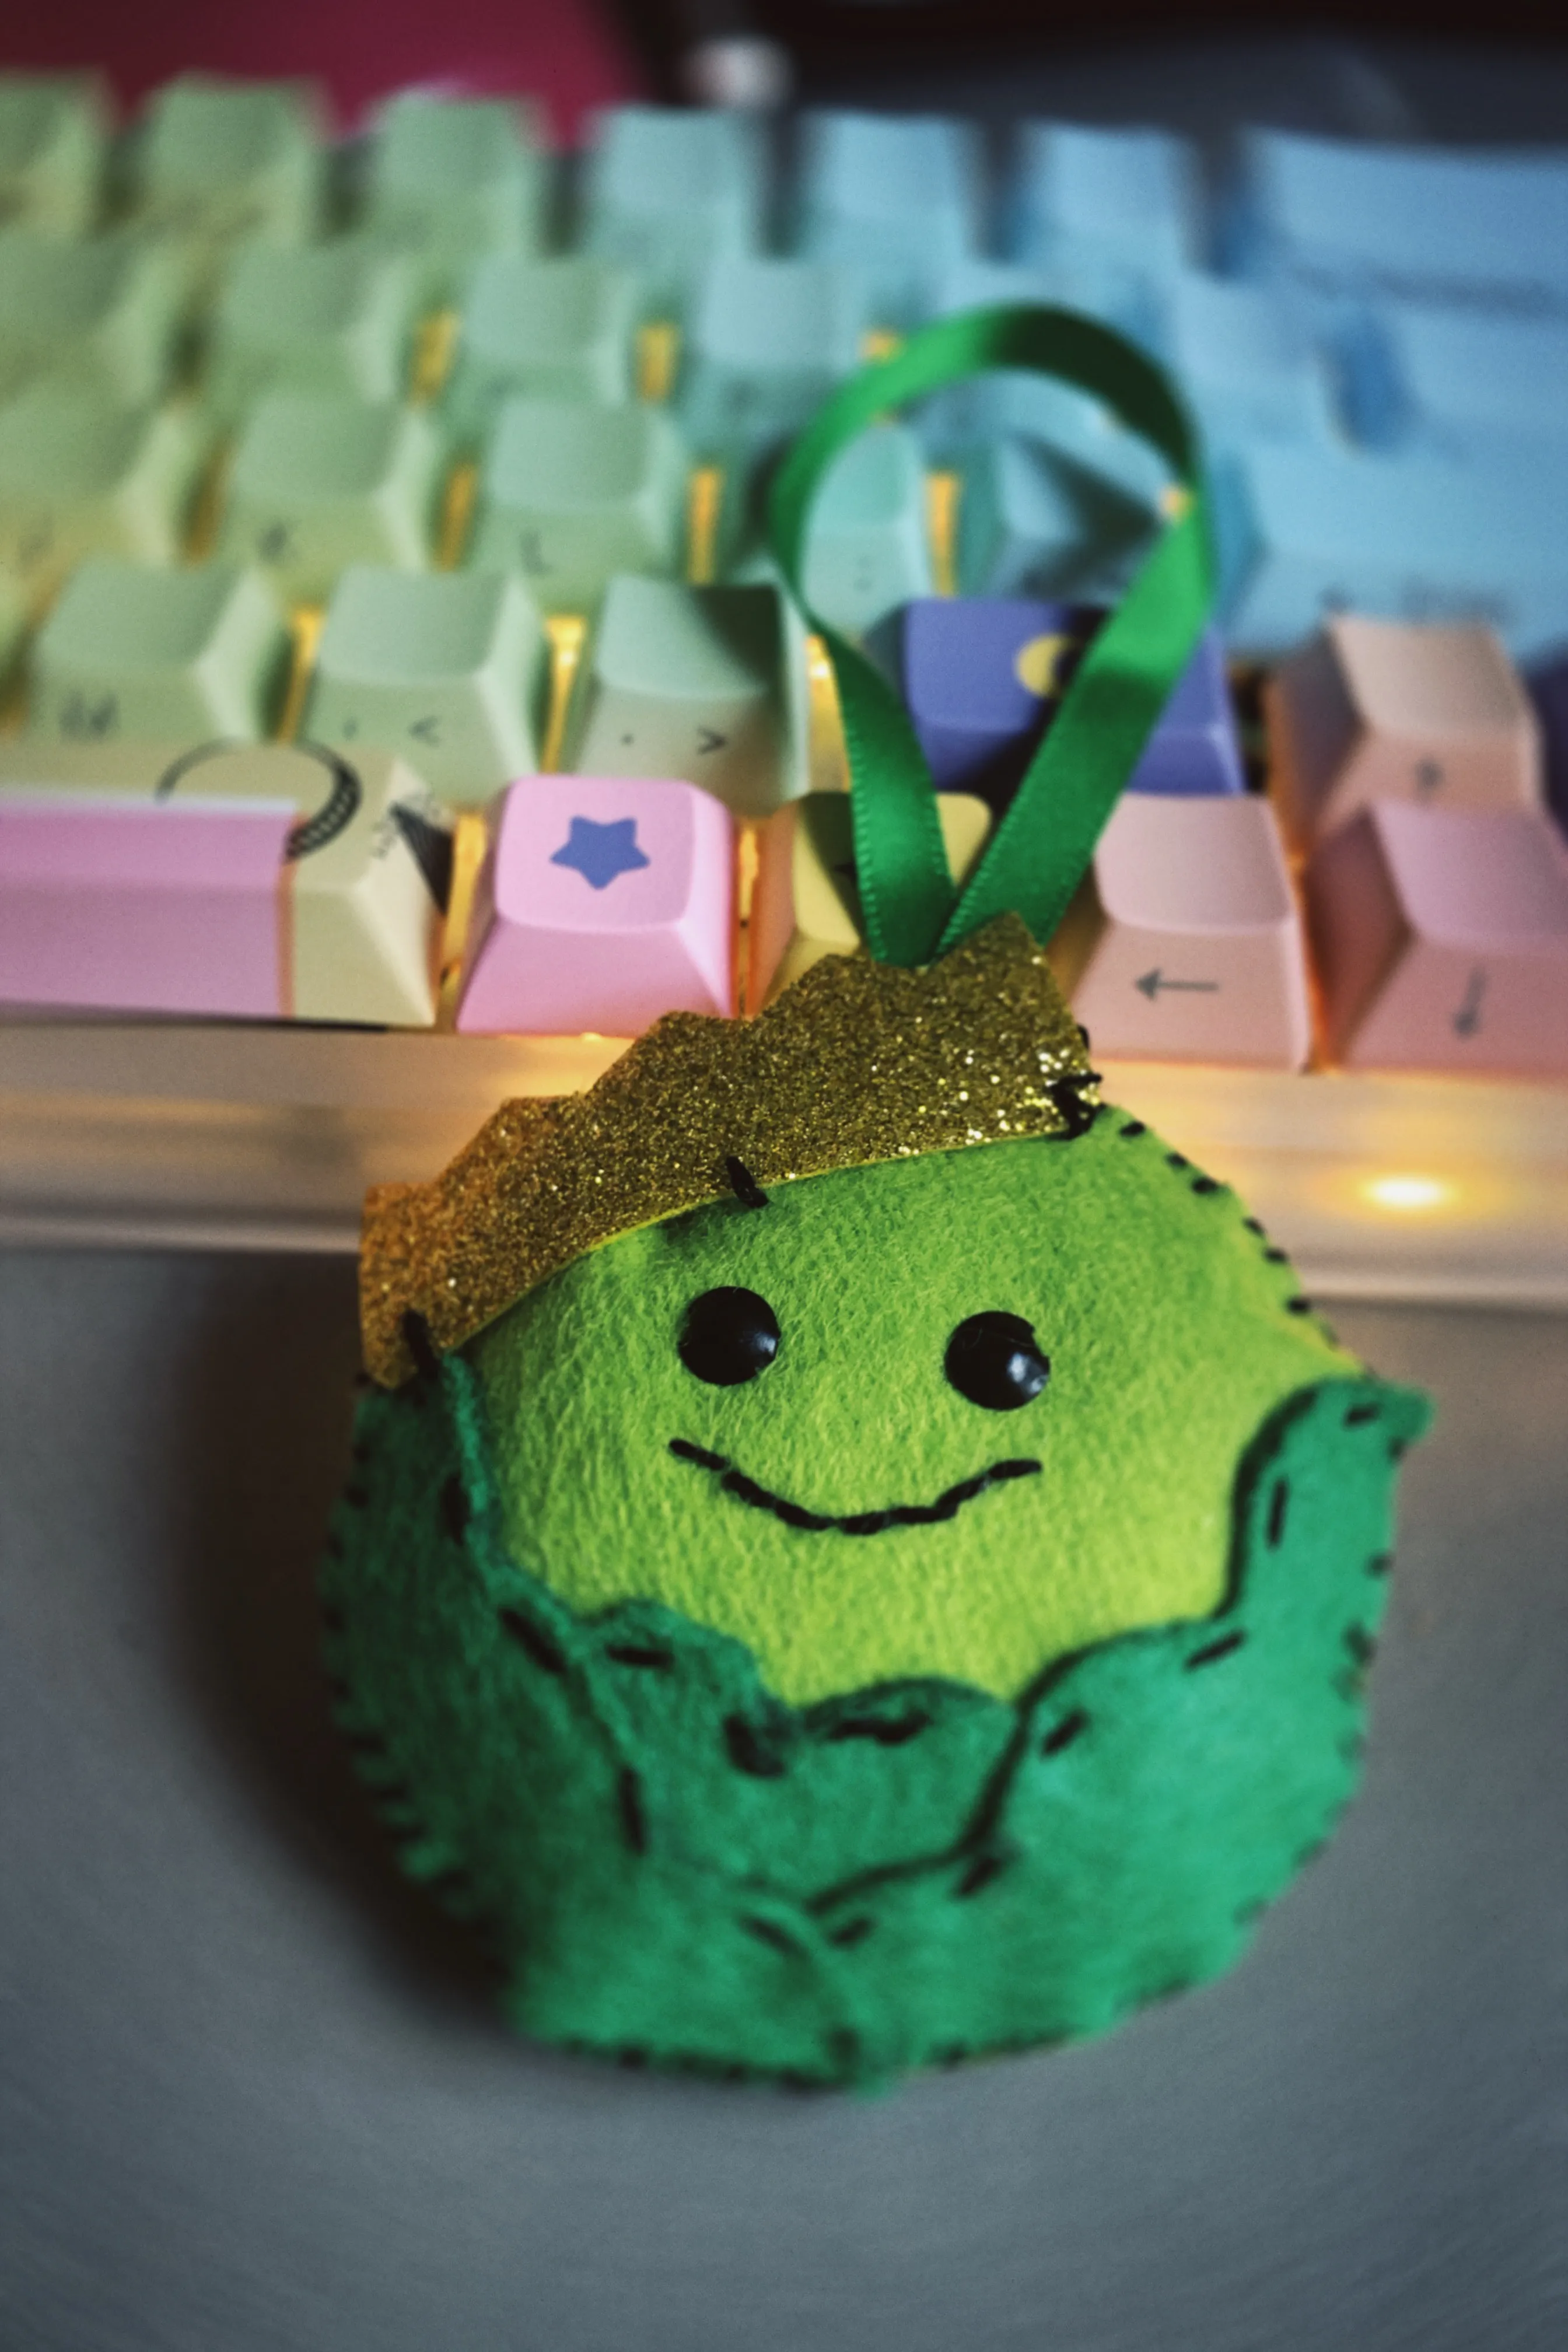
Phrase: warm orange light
(1408, 1195)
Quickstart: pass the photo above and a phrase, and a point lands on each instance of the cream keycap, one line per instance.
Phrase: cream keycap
(1441, 939)
(167, 657)
(703, 683)
(571, 495)
(561, 329)
(804, 902)
(1187, 944)
(335, 317)
(106, 310)
(1374, 710)
(361, 890)
(79, 475)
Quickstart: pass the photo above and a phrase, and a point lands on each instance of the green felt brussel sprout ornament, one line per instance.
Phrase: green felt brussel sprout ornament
(858, 1555)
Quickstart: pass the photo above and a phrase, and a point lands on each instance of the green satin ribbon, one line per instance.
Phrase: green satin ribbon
(1036, 856)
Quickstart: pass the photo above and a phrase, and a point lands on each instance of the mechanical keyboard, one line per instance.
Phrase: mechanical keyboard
(401, 708)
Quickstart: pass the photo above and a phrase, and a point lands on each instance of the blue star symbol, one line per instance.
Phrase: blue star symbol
(600, 852)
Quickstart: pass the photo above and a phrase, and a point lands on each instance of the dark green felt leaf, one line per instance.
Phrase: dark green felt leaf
(673, 1862)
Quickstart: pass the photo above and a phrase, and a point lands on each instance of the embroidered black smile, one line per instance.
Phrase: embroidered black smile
(947, 1505)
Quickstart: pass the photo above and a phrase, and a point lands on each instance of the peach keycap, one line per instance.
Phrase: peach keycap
(603, 903)
(143, 907)
(1441, 938)
(1189, 945)
(1408, 710)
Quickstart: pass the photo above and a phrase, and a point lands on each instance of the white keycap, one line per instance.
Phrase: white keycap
(1189, 948)
(1373, 710)
(1441, 940)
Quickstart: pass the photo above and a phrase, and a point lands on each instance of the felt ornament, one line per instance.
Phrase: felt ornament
(858, 1555)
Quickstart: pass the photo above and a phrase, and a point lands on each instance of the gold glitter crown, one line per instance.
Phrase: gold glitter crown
(859, 1062)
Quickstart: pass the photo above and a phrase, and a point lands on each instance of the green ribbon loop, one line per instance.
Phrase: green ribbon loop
(1039, 854)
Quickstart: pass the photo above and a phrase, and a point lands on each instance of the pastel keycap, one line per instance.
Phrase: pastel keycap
(1441, 939)
(1302, 534)
(1248, 364)
(568, 496)
(143, 907)
(982, 675)
(333, 318)
(966, 417)
(455, 178)
(1188, 947)
(560, 329)
(1449, 224)
(1130, 192)
(447, 669)
(768, 342)
(327, 875)
(667, 191)
(82, 474)
(108, 310)
(1373, 710)
(603, 904)
(899, 198)
(1426, 375)
(165, 656)
(219, 160)
(318, 482)
(702, 683)
(54, 131)
(1032, 521)
(868, 545)
(805, 903)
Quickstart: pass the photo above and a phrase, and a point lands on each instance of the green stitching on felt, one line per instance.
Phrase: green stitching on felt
(1169, 1339)
(1001, 1875)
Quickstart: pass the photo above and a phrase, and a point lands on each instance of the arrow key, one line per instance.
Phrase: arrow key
(1441, 938)
(1187, 945)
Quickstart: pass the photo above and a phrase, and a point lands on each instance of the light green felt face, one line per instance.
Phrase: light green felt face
(1169, 1340)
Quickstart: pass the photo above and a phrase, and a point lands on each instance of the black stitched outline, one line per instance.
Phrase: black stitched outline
(635, 1654)
(634, 1820)
(854, 1931)
(886, 1730)
(541, 1646)
(454, 1508)
(947, 1505)
(1212, 1652)
(1063, 1734)
(1278, 1503)
(979, 1874)
(765, 1932)
(743, 1184)
(750, 1750)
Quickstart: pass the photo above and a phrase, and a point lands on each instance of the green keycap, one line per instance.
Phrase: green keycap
(318, 483)
(866, 550)
(769, 340)
(158, 657)
(667, 189)
(82, 475)
(455, 179)
(217, 159)
(706, 684)
(108, 310)
(53, 130)
(449, 669)
(561, 329)
(327, 318)
(570, 495)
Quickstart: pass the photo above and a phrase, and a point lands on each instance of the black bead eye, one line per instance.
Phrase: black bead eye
(728, 1335)
(995, 1361)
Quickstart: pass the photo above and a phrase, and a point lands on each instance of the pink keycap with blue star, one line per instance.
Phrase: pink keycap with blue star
(605, 901)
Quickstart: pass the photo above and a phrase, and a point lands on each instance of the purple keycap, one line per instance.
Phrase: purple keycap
(1548, 692)
(982, 674)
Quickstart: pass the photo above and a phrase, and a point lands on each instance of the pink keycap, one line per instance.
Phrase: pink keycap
(1441, 940)
(1433, 712)
(1195, 952)
(603, 903)
(146, 908)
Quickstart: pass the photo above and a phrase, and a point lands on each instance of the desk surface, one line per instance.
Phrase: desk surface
(251, 2096)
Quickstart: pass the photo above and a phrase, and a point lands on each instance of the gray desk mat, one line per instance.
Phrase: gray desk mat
(251, 2096)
